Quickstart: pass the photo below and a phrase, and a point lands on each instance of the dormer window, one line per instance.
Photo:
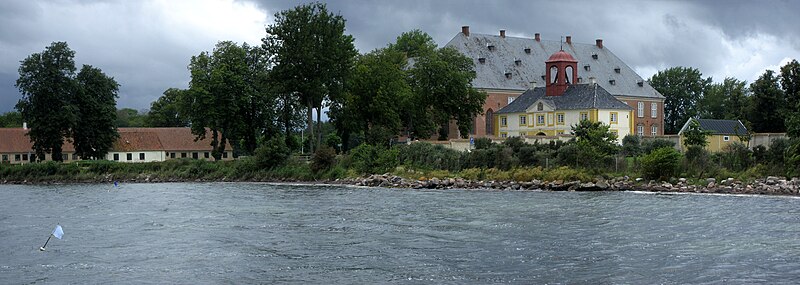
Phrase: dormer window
(616, 69)
(508, 74)
(518, 62)
(540, 107)
(594, 56)
(490, 47)
(587, 67)
(528, 50)
(640, 83)
(482, 60)
(580, 79)
(612, 82)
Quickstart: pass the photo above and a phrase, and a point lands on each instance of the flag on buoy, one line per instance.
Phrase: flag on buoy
(58, 232)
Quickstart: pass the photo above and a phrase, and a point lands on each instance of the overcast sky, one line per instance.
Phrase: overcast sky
(146, 45)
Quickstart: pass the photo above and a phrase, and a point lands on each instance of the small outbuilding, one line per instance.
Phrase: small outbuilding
(721, 132)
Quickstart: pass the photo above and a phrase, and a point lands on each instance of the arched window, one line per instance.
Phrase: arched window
(553, 74)
(540, 107)
(489, 122)
(569, 74)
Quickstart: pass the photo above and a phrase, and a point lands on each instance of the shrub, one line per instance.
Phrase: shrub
(515, 143)
(428, 156)
(369, 159)
(631, 145)
(323, 159)
(483, 143)
(272, 153)
(737, 156)
(660, 164)
(649, 146)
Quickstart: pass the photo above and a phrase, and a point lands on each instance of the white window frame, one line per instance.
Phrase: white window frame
(640, 130)
(640, 109)
(511, 99)
(523, 120)
(654, 130)
(613, 118)
(726, 138)
(653, 110)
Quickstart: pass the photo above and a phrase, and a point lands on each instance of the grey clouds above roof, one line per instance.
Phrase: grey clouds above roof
(576, 97)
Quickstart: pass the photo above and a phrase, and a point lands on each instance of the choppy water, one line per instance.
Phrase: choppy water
(260, 233)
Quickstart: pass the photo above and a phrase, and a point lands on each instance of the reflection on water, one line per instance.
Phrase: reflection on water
(262, 233)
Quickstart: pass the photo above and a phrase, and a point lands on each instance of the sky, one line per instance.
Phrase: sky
(146, 45)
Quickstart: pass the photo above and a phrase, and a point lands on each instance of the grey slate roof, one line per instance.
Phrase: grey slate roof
(578, 96)
(531, 67)
(720, 127)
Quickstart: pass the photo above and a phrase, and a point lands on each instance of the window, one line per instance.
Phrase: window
(614, 118)
(503, 121)
(653, 110)
(64, 157)
(540, 119)
(540, 107)
(640, 110)
(490, 122)
(116, 156)
(550, 119)
(640, 130)
(129, 156)
(5, 157)
(205, 154)
(225, 154)
(183, 155)
(141, 156)
(553, 74)
(171, 155)
(16, 157)
(503, 135)
(615, 132)
(559, 132)
(584, 116)
(560, 118)
(726, 138)
(523, 120)
(74, 156)
(511, 99)
(25, 156)
(569, 70)
(654, 130)
(195, 155)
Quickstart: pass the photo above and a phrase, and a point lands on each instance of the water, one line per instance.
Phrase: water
(259, 233)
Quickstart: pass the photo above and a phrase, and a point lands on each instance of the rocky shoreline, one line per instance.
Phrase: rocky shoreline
(771, 185)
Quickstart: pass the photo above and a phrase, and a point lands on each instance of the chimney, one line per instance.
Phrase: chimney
(24, 125)
(502, 33)
(569, 40)
(536, 37)
(465, 30)
(600, 43)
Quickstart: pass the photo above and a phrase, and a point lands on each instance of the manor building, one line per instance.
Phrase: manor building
(508, 67)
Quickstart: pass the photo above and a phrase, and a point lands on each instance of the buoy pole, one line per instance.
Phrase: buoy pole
(45, 243)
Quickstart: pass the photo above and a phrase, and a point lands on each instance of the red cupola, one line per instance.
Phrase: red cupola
(561, 72)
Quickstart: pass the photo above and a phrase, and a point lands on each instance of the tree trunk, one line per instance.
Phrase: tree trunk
(319, 126)
(310, 126)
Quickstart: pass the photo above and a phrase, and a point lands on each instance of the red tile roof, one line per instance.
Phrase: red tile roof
(14, 140)
(178, 139)
(133, 141)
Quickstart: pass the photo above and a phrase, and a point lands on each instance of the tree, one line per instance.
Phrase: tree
(414, 43)
(312, 56)
(212, 101)
(683, 88)
(46, 81)
(11, 119)
(595, 136)
(631, 145)
(694, 135)
(790, 83)
(164, 112)
(95, 132)
(767, 109)
(129, 118)
(725, 101)
(443, 80)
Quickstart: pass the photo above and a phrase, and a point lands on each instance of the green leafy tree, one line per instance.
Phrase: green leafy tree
(683, 88)
(414, 43)
(595, 136)
(661, 164)
(11, 119)
(725, 101)
(694, 135)
(164, 112)
(46, 81)
(257, 103)
(790, 83)
(95, 131)
(312, 56)
(631, 145)
(444, 81)
(767, 115)
(129, 118)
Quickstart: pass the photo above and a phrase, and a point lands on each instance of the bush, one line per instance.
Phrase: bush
(323, 159)
(483, 143)
(737, 157)
(660, 164)
(428, 157)
(631, 145)
(272, 153)
(649, 146)
(369, 159)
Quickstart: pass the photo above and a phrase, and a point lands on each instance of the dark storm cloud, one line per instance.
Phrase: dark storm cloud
(146, 45)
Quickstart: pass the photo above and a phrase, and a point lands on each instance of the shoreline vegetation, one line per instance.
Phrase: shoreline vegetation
(559, 178)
